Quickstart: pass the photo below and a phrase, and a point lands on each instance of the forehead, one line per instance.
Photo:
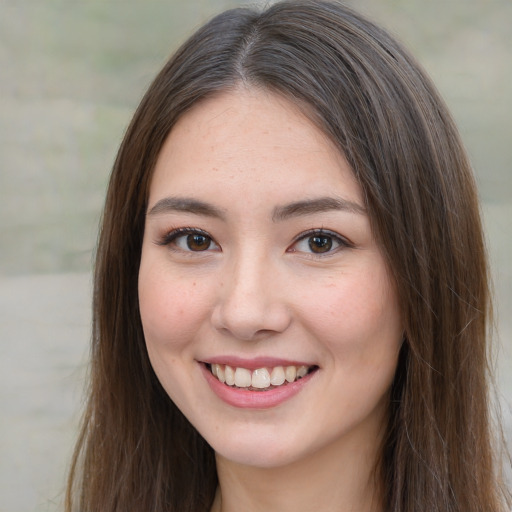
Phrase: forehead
(250, 138)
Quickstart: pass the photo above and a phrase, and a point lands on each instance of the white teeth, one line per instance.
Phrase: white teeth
(290, 373)
(302, 371)
(230, 375)
(260, 378)
(220, 373)
(277, 376)
(242, 378)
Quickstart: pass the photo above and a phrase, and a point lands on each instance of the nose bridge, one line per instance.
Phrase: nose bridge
(250, 303)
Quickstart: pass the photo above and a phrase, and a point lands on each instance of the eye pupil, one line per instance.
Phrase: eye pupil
(196, 242)
(320, 244)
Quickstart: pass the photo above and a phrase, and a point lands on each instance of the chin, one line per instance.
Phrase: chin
(257, 456)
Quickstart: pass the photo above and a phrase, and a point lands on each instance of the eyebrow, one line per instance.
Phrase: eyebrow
(280, 213)
(317, 205)
(187, 205)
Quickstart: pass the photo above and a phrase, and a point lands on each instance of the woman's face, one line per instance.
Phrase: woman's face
(269, 315)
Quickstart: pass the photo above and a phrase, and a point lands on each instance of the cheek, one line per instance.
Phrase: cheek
(170, 308)
(357, 315)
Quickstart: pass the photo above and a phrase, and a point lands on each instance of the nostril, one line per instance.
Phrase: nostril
(249, 320)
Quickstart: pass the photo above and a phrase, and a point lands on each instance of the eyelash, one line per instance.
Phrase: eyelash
(342, 243)
(170, 238)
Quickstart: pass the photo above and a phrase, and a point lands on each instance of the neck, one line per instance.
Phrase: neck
(339, 479)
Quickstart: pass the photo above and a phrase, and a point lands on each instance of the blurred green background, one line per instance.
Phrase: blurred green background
(71, 74)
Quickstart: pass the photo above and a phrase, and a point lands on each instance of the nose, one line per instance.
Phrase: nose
(251, 302)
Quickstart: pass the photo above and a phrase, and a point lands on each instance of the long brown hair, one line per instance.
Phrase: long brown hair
(136, 451)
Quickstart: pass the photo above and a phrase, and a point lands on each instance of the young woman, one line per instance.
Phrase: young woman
(291, 287)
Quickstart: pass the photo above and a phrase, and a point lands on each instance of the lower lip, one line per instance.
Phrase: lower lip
(248, 399)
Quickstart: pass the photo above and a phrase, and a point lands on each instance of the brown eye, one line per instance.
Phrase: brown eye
(189, 240)
(320, 244)
(197, 242)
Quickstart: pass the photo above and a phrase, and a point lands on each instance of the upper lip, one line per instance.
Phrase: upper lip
(254, 363)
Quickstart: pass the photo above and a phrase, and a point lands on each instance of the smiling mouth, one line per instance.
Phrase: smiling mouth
(261, 379)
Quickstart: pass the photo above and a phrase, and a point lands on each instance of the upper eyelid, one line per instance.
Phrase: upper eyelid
(321, 231)
(342, 243)
(172, 234)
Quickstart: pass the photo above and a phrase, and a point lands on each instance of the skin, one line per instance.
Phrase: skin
(258, 289)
